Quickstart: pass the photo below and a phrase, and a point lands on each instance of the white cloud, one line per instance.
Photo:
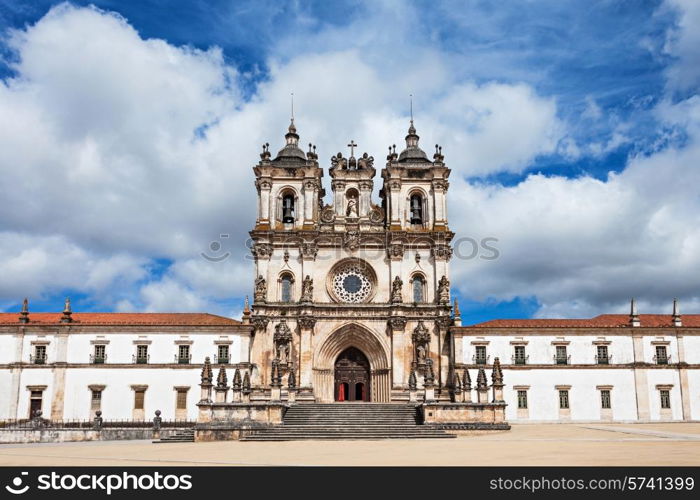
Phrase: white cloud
(118, 151)
(682, 43)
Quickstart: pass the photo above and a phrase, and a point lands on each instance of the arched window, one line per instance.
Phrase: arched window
(286, 282)
(418, 289)
(288, 208)
(416, 209)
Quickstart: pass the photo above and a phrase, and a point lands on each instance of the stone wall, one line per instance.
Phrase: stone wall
(53, 435)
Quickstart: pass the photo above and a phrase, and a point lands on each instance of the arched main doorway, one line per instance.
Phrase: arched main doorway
(352, 379)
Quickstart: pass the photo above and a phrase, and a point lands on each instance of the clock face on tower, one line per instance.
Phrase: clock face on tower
(352, 282)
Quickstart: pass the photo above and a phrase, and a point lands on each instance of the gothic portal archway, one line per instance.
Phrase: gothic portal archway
(356, 343)
(352, 376)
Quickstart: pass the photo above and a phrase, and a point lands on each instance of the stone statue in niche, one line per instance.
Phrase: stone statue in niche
(260, 289)
(444, 291)
(352, 207)
(396, 290)
(307, 289)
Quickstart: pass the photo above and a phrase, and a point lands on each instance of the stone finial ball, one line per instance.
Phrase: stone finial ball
(157, 413)
(38, 413)
(98, 413)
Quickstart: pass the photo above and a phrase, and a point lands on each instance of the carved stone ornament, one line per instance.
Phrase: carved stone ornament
(261, 251)
(328, 214)
(376, 215)
(351, 240)
(260, 322)
(443, 291)
(338, 161)
(397, 322)
(308, 250)
(442, 252)
(263, 184)
(306, 322)
(396, 250)
(396, 286)
(440, 185)
(365, 161)
(310, 185)
(260, 289)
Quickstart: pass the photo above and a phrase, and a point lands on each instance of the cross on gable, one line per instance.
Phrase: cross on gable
(352, 147)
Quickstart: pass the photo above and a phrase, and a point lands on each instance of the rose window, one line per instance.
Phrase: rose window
(351, 283)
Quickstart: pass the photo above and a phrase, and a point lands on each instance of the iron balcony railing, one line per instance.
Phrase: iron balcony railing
(562, 360)
(221, 360)
(37, 360)
(98, 360)
(480, 360)
(662, 360)
(603, 360)
(520, 360)
(183, 360)
(141, 360)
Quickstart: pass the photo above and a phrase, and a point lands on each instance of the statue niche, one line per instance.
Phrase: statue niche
(282, 343)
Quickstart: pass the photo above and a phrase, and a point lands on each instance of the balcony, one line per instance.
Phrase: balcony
(183, 359)
(37, 360)
(223, 360)
(98, 360)
(520, 360)
(140, 360)
(562, 360)
(603, 360)
(662, 360)
(480, 360)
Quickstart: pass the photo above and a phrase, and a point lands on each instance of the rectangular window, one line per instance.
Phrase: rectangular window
(35, 398)
(96, 400)
(480, 356)
(182, 399)
(563, 399)
(602, 355)
(39, 354)
(100, 351)
(605, 399)
(665, 399)
(522, 400)
(142, 354)
(183, 354)
(139, 397)
(519, 357)
(661, 355)
(223, 354)
(561, 357)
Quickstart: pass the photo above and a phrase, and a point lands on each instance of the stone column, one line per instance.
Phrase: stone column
(59, 374)
(306, 328)
(265, 187)
(399, 354)
(641, 385)
(683, 377)
(276, 383)
(236, 387)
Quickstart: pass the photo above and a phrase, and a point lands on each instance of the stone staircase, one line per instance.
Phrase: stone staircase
(347, 421)
(180, 436)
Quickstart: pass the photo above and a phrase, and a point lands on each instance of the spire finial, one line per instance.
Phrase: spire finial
(676, 314)
(24, 313)
(67, 312)
(634, 317)
(292, 107)
(411, 98)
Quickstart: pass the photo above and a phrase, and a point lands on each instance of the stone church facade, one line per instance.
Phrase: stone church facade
(351, 303)
(355, 277)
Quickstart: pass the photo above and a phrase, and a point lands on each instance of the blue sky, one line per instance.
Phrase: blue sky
(559, 119)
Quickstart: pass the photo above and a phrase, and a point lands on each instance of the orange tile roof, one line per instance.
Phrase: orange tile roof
(602, 321)
(107, 319)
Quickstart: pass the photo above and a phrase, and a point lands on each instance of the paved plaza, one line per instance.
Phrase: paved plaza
(532, 444)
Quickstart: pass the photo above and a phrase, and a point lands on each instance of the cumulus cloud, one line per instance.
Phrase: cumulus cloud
(121, 152)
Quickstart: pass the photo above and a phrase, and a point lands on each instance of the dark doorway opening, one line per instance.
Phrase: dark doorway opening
(352, 376)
